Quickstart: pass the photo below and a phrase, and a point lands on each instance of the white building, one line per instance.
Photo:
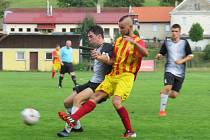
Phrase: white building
(40, 20)
(193, 11)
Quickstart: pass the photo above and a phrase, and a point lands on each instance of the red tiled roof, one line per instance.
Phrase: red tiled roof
(153, 14)
(46, 26)
(64, 15)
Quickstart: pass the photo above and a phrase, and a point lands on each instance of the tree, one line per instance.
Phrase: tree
(77, 3)
(4, 4)
(106, 3)
(169, 2)
(196, 32)
(83, 28)
(123, 3)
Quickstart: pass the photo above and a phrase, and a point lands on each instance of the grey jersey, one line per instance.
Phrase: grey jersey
(175, 51)
(100, 69)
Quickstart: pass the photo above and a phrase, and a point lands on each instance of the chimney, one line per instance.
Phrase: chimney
(48, 8)
(176, 3)
(51, 10)
(98, 8)
(130, 10)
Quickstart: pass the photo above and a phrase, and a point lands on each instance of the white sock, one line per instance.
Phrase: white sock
(68, 110)
(67, 128)
(163, 101)
(73, 110)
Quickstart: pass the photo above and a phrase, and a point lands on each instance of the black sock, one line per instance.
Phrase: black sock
(73, 77)
(60, 80)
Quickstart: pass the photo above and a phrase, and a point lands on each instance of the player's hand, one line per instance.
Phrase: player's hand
(129, 39)
(179, 62)
(94, 54)
(62, 64)
(158, 56)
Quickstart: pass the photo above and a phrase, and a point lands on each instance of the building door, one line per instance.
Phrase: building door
(33, 61)
(1, 59)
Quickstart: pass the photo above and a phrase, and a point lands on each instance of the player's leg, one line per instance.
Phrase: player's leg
(68, 102)
(164, 93)
(53, 71)
(122, 91)
(62, 72)
(176, 87)
(79, 99)
(72, 74)
(101, 92)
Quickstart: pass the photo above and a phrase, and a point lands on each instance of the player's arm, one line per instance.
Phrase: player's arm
(162, 51)
(189, 55)
(140, 45)
(101, 57)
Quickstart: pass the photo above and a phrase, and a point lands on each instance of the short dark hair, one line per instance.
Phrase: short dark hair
(176, 26)
(96, 29)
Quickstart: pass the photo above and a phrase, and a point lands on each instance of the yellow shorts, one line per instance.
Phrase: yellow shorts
(56, 66)
(118, 85)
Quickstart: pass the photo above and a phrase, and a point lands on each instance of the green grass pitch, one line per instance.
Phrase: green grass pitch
(187, 119)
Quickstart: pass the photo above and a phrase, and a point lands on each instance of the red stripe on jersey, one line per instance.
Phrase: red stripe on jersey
(120, 57)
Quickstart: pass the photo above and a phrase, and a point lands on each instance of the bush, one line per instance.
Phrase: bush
(207, 52)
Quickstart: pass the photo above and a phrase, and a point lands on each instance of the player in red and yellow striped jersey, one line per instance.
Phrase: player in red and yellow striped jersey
(128, 52)
(56, 61)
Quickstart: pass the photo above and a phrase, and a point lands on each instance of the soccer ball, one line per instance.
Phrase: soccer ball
(30, 116)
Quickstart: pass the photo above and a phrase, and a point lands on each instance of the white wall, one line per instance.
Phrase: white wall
(186, 21)
(7, 28)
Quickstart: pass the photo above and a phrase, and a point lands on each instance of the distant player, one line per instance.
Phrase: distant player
(56, 61)
(66, 56)
(129, 50)
(81, 93)
(177, 52)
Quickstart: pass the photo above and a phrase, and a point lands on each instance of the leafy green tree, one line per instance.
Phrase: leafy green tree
(207, 52)
(123, 3)
(106, 3)
(4, 4)
(169, 2)
(83, 28)
(196, 32)
(77, 3)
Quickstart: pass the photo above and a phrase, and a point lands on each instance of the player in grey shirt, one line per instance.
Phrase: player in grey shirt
(177, 52)
(101, 67)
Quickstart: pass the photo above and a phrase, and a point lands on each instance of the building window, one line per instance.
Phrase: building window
(154, 28)
(12, 29)
(28, 29)
(20, 29)
(36, 30)
(73, 30)
(20, 56)
(48, 56)
(167, 28)
(63, 29)
(116, 32)
(106, 32)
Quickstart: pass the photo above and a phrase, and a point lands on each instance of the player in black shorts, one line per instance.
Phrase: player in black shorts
(177, 52)
(66, 57)
(81, 93)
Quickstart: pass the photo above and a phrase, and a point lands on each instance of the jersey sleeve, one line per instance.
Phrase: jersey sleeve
(142, 43)
(188, 48)
(108, 49)
(163, 49)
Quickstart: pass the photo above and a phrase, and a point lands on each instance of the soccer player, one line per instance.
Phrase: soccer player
(66, 56)
(178, 52)
(101, 67)
(128, 52)
(56, 61)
